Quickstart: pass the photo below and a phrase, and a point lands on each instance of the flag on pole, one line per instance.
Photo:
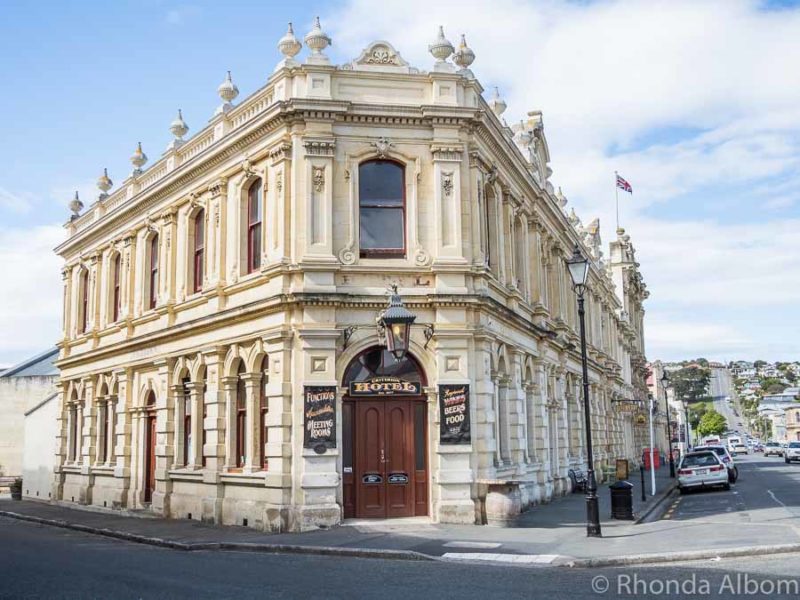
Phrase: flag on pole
(624, 185)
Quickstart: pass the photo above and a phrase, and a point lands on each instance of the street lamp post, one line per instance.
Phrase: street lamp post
(664, 383)
(578, 266)
(687, 426)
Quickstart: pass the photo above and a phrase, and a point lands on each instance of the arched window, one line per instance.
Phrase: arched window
(254, 218)
(72, 452)
(84, 307)
(116, 298)
(263, 404)
(381, 200)
(199, 250)
(241, 417)
(153, 273)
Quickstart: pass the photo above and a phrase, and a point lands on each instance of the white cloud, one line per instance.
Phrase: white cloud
(30, 307)
(15, 203)
(682, 97)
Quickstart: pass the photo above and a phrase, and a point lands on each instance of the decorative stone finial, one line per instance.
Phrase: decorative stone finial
(104, 184)
(497, 104)
(228, 91)
(76, 206)
(464, 57)
(562, 199)
(317, 40)
(138, 159)
(289, 46)
(441, 49)
(178, 128)
(523, 134)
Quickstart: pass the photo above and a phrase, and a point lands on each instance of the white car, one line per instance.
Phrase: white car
(773, 448)
(792, 452)
(725, 455)
(702, 470)
(739, 449)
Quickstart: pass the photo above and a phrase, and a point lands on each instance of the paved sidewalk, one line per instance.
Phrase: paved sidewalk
(547, 534)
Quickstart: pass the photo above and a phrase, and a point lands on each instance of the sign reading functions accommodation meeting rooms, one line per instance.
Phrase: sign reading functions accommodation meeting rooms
(454, 414)
(319, 410)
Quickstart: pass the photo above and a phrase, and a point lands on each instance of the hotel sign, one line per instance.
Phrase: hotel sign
(385, 386)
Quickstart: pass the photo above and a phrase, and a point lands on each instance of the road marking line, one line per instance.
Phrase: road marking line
(465, 544)
(539, 559)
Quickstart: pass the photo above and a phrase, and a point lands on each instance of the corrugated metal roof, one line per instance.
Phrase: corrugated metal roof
(39, 365)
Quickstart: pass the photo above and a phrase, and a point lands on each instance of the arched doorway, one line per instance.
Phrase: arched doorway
(150, 448)
(385, 458)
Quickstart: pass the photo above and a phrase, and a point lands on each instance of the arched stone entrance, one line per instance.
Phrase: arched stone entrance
(384, 437)
(150, 448)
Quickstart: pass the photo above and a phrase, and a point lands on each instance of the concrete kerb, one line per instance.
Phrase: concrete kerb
(658, 503)
(227, 546)
(690, 555)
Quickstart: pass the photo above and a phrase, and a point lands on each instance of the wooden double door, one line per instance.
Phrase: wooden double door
(150, 457)
(387, 474)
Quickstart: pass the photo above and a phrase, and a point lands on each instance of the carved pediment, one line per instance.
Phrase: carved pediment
(381, 56)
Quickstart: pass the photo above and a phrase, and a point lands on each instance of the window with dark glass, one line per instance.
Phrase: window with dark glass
(73, 432)
(117, 297)
(84, 301)
(105, 413)
(263, 404)
(153, 283)
(254, 226)
(187, 421)
(381, 198)
(199, 249)
(241, 419)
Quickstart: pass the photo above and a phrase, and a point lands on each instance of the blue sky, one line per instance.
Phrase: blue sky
(696, 103)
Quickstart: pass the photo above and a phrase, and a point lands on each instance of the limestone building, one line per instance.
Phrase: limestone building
(220, 357)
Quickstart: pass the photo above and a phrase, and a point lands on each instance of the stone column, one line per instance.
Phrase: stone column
(215, 429)
(229, 387)
(253, 436)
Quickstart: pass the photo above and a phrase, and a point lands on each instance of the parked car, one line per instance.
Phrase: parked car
(727, 459)
(773, 449)
(792, 452)
(702, 470)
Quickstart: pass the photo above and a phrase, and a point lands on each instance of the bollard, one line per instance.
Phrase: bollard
(641, 472)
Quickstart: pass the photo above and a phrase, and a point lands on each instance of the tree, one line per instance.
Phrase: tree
(772, 385)
(712, 423)
(691, 383)
(759, 363)
(696, 412)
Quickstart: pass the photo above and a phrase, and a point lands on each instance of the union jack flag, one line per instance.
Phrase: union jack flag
(624, 185)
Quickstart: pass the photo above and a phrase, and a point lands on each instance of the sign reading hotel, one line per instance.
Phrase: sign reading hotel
(385, 386)
(319, 410)
(454, 414)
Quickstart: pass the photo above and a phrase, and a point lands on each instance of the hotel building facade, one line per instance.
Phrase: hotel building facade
(221, 355)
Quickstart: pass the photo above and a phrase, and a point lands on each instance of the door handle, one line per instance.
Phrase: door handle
(383, 457)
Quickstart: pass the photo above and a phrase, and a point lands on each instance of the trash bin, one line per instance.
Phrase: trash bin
(621, 500)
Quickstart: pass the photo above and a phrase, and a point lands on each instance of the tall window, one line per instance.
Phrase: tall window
(199, 249)
(254, 218)
(153, 287)
(263, 405)
(84, 285)
(187, 422)
(241, 418)
(117, 297)
(381, 199)
(73, 432)
(105, 428)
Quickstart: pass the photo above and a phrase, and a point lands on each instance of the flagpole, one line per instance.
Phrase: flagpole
(616, 195)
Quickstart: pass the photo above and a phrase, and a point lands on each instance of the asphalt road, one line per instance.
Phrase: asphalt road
(767, 493)
(45, 562)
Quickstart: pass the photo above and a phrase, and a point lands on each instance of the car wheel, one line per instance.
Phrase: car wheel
(786, 460)
(682, 491)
